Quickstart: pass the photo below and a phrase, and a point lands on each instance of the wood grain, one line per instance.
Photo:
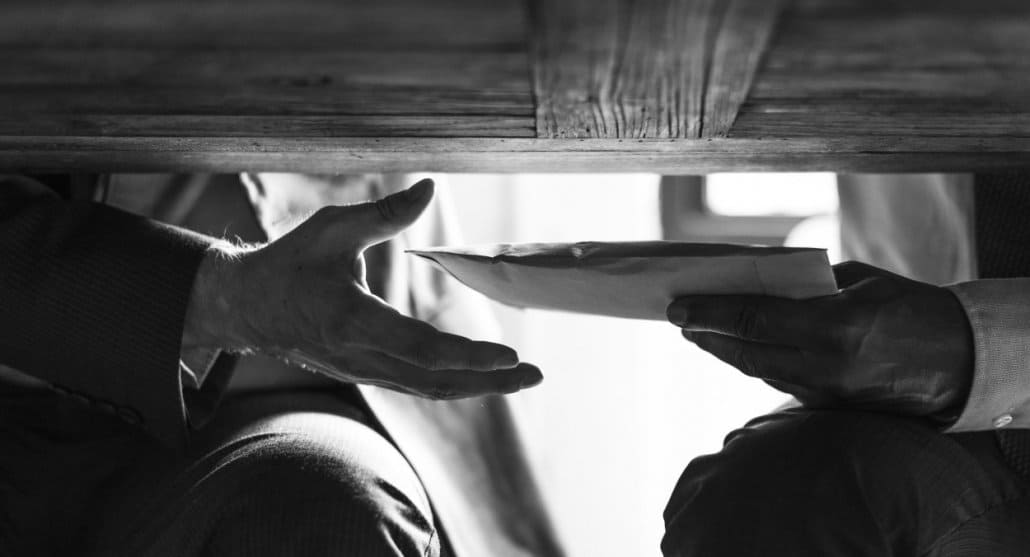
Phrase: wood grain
(483, 70)
(315, 99)
(267, 125)
(272, 25)
(658, 69)
(877, 68)
(620, 69)
(666, 156)
(396, 68)
(740, 45)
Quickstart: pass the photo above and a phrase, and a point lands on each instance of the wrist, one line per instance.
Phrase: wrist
(213, 317)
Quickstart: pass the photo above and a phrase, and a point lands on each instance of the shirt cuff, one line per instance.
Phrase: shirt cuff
(195, 364)
(999, 315)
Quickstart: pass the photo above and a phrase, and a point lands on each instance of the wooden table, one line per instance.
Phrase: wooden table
(671, 86)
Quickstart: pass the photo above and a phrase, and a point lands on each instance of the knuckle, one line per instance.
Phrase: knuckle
(748, 322)
(433, 393)
(387, 208)
(440, 391)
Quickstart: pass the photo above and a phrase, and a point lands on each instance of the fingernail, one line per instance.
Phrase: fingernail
(676, 313)
(507, 361)
(531, 380)
(419, 190)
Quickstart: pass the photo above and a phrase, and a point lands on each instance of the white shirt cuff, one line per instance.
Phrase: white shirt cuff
(195, 364)
(999, 314)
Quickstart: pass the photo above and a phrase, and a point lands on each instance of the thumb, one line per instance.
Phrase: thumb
(377, 221)
(850, 273)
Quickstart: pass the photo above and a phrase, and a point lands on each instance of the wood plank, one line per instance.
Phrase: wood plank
(318, 68)
(885, 117)
(356, 155)
(621, 69)
(659, 69)
(264, 24)
(267, 125)
(251, 100)
(743, 36)
(877, 68)
(619, 85)
(477, 70)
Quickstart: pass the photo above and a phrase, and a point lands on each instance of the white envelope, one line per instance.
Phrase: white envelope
(634, 280)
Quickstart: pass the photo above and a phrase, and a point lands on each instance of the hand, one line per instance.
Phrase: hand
(883, 343)
(303, 297)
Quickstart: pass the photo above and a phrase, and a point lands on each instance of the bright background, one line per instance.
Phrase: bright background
(625, 404)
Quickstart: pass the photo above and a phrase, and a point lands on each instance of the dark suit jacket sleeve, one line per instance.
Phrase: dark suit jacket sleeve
(93, 299)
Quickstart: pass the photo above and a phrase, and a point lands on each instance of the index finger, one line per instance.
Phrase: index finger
(758, 318)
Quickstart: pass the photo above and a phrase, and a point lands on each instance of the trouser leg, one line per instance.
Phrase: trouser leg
(803, 482)
(297, 484)
(287, 474)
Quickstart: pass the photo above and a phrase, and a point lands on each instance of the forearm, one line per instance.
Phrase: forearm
(93, 301)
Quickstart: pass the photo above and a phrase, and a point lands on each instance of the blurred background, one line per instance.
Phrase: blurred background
(626, 404)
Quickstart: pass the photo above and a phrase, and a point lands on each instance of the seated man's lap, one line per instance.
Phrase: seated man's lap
(806, 482)
(287, 473)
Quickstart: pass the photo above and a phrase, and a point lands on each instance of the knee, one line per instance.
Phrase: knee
(336, 493)
(781, 477)
(782, 452)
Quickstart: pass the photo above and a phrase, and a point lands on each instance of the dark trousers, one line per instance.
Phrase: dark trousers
(288, 473)
(817, 483)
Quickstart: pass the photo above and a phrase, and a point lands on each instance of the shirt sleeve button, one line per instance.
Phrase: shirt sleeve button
(1002, 421)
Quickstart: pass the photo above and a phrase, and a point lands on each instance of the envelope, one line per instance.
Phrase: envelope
(634, 280)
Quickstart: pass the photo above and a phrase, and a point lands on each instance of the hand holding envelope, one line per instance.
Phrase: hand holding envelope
(882, 343)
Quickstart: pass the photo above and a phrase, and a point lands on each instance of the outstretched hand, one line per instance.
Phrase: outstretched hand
(304, 297)
(884, 342)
